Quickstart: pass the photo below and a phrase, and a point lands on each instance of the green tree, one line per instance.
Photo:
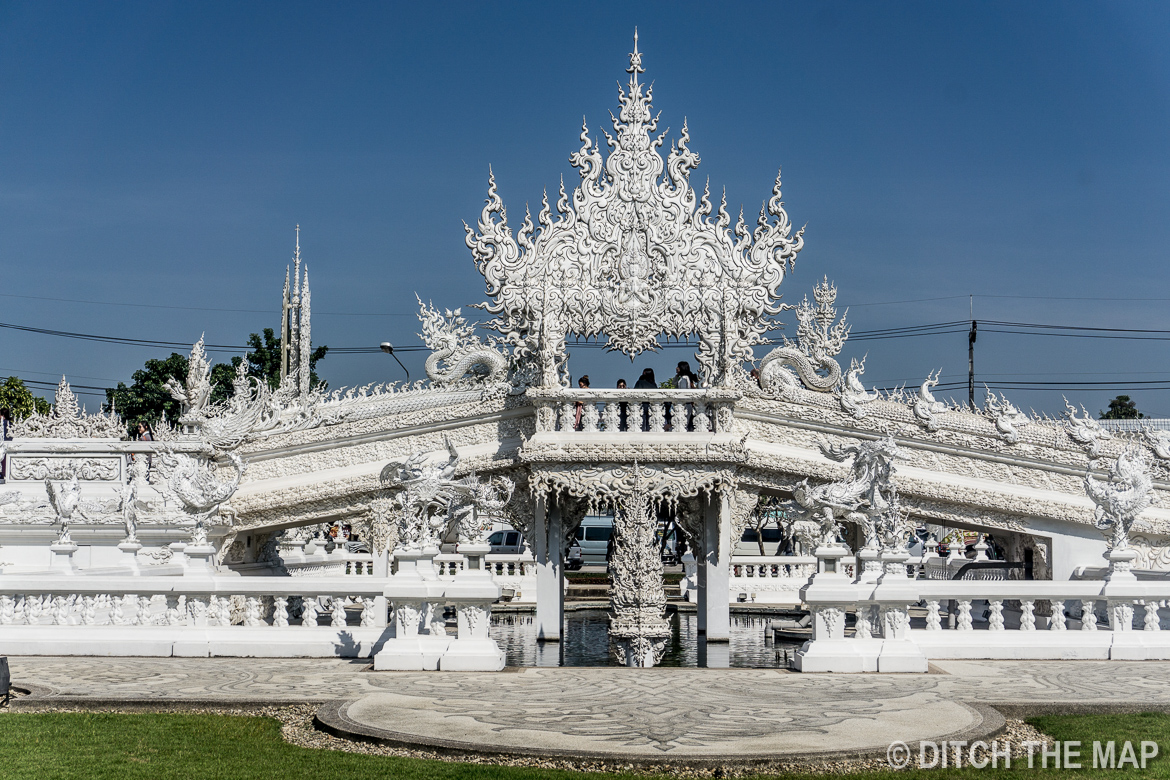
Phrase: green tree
(147, 398)
(18, 399)
(1122, 408)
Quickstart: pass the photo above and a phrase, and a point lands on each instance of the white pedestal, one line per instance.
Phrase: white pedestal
(178, 554)
(61, 561)
(1121, 565)
(474, 590)
(130, 555)
(410, 589)
(868, 568)
(200, 561)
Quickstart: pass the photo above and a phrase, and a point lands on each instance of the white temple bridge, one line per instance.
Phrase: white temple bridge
(116, 547)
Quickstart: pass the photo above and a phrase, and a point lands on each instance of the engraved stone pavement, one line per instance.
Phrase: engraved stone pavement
(615, 711)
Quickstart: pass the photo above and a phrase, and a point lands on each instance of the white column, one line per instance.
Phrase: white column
(715, 570)
(381, 571)
(550, 572)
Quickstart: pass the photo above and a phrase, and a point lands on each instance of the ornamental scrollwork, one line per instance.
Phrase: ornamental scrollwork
(89, 469)
(605, 484)
(634, 254)
(638, 626)
(199, 487)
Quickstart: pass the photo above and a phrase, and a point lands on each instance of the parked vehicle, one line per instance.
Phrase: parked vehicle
(593, 536)
(507, 542)
(573, 560)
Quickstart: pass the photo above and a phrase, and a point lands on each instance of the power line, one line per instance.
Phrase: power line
(175, 344)
(200, 308)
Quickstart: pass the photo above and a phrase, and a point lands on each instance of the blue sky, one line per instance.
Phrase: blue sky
(159, 154)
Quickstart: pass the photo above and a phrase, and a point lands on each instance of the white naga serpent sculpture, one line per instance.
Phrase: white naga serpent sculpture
(818, 341)
(456, 351)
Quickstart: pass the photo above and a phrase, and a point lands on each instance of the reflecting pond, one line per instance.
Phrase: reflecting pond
(586, 642)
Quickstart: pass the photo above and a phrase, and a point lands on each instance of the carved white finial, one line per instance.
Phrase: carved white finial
(635, 61)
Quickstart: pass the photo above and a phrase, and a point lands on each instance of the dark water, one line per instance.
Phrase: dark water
(586, 642)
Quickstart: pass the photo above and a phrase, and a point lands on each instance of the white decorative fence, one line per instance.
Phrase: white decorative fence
(702, 411)
(773, 580)
(901, 623)
(240, 616)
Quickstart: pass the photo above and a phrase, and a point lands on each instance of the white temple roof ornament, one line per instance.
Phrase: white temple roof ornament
(863, 497)
(926, 407)
(1084, 430)
(635, 255)
(853, 396)
(1007, 418)
(195, 393)
(68, 420)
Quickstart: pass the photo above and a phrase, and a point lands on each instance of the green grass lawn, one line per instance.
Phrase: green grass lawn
(97, 746)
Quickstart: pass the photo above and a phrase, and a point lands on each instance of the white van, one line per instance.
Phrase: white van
(593, 535)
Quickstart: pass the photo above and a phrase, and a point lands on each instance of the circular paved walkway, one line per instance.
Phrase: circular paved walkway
(644, 715)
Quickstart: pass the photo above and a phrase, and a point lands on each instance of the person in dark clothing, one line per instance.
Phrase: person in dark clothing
(646, 382)
(5, 422)
(623, 409)
(582, 383)
(685, 379)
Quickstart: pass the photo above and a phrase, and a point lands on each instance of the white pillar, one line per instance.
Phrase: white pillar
(550, 572)
(381, 571)
(715, 570)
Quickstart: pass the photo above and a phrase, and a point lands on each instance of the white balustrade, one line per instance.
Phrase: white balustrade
(665, 411)
(769, 579)
(218, 615)
(992, 619)
(515, 574)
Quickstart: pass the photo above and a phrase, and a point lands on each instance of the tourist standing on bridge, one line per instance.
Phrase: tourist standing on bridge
(623, 409)
(5, 421)
(646, 382)
(685, 379)
(145, 434)
(582, 383)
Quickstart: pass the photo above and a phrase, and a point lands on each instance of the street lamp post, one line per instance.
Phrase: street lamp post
(388, 348)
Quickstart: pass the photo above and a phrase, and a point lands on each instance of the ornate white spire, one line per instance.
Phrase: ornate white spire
(296, 332)
(634, 253)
